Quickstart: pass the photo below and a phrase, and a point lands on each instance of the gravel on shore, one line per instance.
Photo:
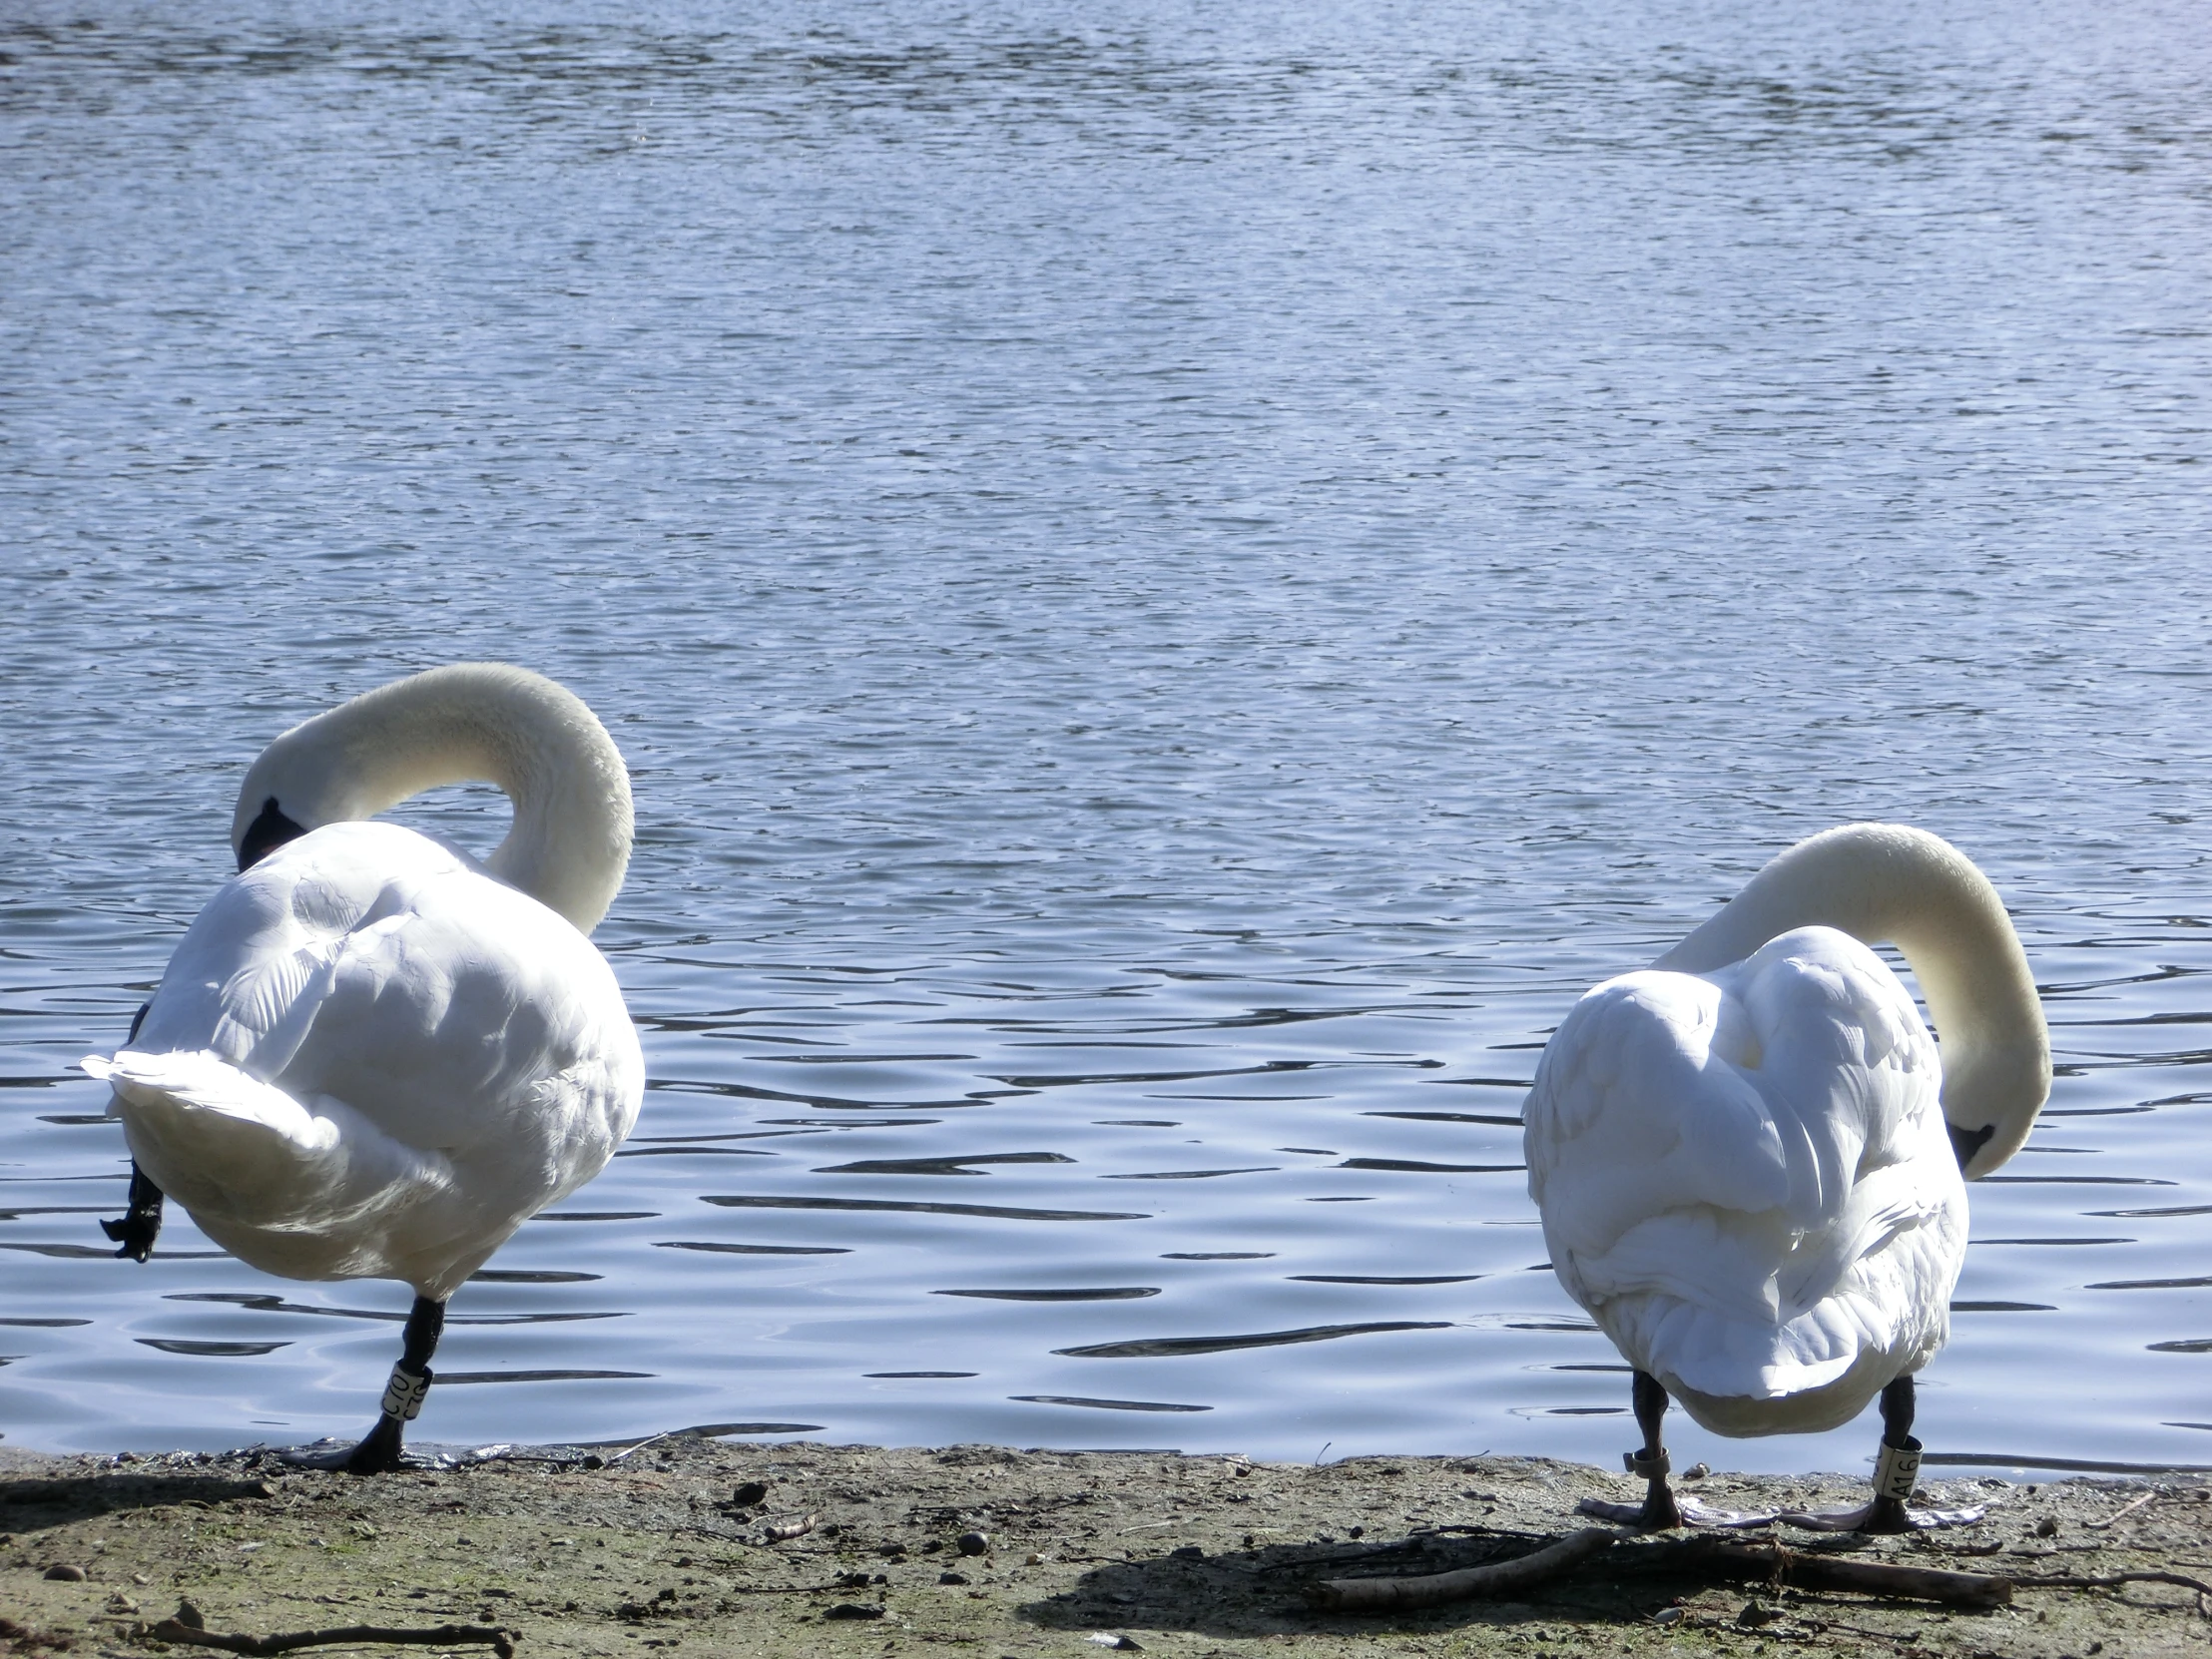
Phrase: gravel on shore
(707, 1548)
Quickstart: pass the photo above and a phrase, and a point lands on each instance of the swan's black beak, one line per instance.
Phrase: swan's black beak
(266, 834)
(1965, 1143)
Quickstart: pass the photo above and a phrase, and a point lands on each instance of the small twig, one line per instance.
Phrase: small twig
(1390, 1596)
(1484, 1530)
(1824, 1627)
(709, 1533)
(650, 1439)
(783, 1589)
(2108, 1580)
(2098, 1526)
(444, 1635)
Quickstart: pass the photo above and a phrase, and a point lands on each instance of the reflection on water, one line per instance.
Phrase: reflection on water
(1175, 586)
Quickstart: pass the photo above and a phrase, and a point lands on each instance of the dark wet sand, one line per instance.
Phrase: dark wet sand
(1086, 1553)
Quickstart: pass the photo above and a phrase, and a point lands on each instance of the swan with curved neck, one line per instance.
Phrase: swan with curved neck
(371, 1056)
(471, 723)
(1750, 1161)
(1889, 884)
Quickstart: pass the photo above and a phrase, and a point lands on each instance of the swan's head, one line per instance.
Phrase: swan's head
(570, 839)
(295, 786)
(270, 828)
(1993, 1092)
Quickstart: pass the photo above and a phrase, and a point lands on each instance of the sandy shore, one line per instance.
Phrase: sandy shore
(673, 1546)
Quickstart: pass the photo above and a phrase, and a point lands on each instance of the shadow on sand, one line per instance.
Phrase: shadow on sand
(29, 1504)
(1262, 1591)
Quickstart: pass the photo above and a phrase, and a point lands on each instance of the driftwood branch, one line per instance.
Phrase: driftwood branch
(444, 1635)
(1766, 1563)
(1393, 1595)
(790, 1530)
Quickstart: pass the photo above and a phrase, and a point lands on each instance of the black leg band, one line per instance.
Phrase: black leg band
(411, 1377)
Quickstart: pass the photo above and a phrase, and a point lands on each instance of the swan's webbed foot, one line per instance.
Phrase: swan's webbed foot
(1895, 1471)
(1660, 1513)
(1878, 1521)
(382, 1449)
(141, 1224)
(1886, 1517)
(379, 1451)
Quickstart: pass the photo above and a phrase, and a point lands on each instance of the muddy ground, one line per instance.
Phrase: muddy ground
(1071, 1555)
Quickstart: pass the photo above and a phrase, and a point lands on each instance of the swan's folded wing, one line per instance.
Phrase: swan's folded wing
(249, 977)
(1633, 1115)
(477, 1020)
(205, 1083)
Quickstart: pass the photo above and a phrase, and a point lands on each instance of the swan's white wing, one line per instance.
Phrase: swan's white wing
(467, 1047)
(1743, 1177)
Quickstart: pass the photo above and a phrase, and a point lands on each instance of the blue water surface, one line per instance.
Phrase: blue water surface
(1177, 582)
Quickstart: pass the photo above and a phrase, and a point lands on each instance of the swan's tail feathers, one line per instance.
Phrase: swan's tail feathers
(225, 1144)
(200, 1084)
(309, 1189)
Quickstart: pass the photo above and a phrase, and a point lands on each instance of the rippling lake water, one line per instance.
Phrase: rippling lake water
(1176, 585)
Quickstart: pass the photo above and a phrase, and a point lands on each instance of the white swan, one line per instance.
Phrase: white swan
(371, 1056)
(1741, 1156)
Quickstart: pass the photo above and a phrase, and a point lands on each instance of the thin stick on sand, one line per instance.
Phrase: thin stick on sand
(444, 1635)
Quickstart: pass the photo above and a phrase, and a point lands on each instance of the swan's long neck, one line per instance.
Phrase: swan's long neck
(570, 841)
(1888, 883)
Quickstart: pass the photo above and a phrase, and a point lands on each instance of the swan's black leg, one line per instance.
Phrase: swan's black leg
(142, 1221)
(1659, 1513)
(141, 1224)
(1898, 1466)
(378, 1452)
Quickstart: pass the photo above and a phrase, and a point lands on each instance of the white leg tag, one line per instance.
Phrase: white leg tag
(403, 1393)
(1896, 1471)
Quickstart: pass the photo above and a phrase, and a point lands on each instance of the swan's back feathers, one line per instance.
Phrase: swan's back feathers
(467, 1047)
(1743, 1177)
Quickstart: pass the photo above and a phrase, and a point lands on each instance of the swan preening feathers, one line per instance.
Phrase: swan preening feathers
(373, 1056)
(1750, 1164)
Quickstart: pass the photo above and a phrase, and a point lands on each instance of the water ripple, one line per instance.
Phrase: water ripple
(1142, 564)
